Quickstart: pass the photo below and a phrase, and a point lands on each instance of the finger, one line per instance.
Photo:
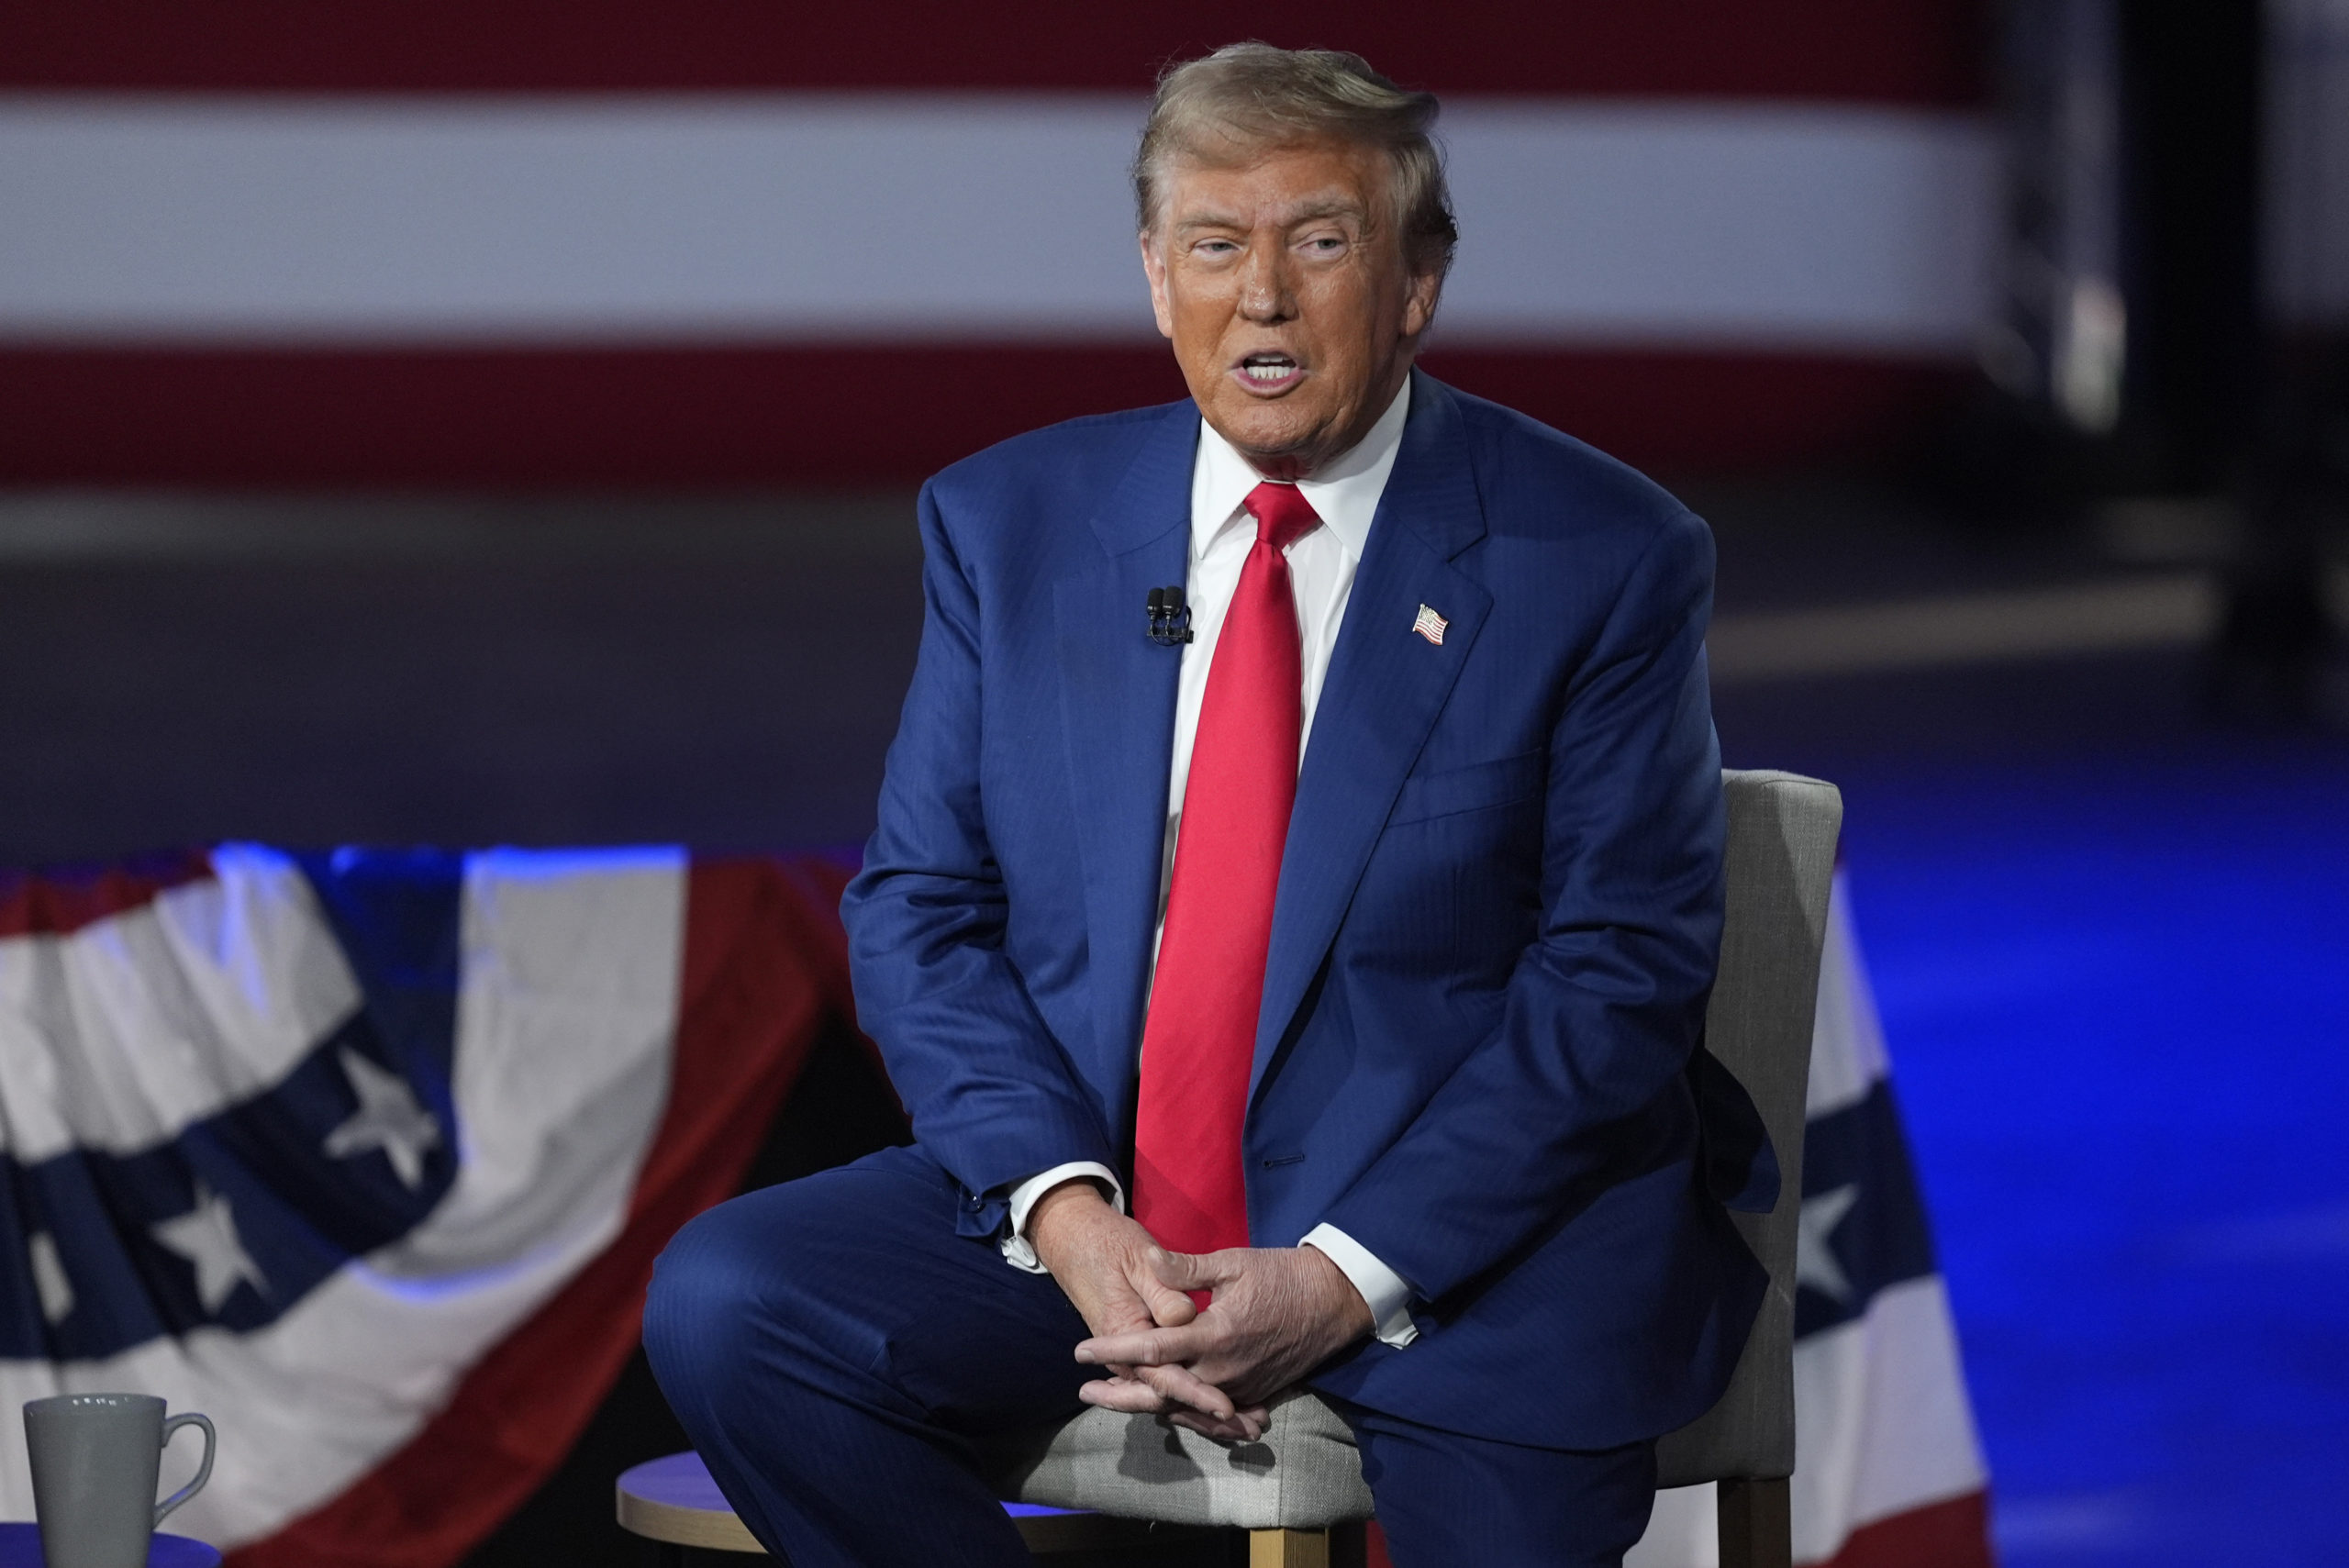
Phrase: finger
(1169, 1307)
(1155, 1347)
(1131, 1316)
(1199, 1270)
(1122, 1394)
(1245, 1425)
(1236, 1430)
(1123, 1308)
(1184, 1386)
(1176, 1271)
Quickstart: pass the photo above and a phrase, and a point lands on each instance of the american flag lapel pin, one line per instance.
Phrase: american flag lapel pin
(1430, 626)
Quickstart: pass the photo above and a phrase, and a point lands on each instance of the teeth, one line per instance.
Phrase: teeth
(1268, 373)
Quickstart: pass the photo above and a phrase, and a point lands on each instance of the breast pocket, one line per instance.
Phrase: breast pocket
(1481, 786)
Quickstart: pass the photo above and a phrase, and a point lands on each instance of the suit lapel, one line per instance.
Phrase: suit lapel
(1384, 688)
(1118, 692)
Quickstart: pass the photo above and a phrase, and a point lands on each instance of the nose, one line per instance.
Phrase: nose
(1265, 295)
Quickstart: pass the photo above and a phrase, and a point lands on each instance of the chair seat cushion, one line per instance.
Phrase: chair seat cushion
(1304, 1474)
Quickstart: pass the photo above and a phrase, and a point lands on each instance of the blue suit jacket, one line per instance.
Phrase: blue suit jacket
(1499, 908)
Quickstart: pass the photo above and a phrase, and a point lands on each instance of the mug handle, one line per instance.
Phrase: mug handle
(202, 1472)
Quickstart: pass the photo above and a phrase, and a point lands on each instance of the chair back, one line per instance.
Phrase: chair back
(1779, 864)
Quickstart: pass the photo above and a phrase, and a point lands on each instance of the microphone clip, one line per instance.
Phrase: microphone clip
(1170, 618)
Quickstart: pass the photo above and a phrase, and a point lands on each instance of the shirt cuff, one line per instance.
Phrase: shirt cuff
(1382, 1287)
(1017, 1251)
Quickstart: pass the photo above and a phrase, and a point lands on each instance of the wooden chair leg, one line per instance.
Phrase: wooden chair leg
(1340, 1547)
(1756, 1531)
(1347, 1546)
(1288, 1548)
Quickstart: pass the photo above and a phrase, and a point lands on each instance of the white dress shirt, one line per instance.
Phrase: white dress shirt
(1321, 568)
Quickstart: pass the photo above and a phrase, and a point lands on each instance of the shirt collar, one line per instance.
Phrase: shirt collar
(1344, 494)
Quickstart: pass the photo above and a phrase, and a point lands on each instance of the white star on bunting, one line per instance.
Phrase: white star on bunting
(388, 1119)
(1815, 1261)
(206, 1236)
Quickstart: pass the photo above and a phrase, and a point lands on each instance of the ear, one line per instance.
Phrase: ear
(1154, 266)
(1419, 302)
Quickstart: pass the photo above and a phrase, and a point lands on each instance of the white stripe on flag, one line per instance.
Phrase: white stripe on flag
(850, 216)
(1847, 1055)
(566, 1023)
(118, 1035)
(1882, 1424)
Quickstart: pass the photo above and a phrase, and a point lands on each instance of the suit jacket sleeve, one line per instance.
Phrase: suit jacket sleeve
(1605, 1008)
(991, 1093)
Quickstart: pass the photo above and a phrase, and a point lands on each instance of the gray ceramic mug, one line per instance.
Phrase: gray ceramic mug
(95, 1459)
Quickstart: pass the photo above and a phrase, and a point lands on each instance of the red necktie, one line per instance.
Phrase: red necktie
(1190, 1189)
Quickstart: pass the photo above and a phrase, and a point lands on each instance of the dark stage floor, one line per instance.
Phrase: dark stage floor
(2110, 939)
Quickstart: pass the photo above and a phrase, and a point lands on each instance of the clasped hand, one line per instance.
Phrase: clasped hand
(1277, 1313)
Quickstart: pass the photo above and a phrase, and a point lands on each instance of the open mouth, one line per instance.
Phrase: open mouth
(1268, 372)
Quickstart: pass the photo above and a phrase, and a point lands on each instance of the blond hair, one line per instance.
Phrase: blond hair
(1248, 96)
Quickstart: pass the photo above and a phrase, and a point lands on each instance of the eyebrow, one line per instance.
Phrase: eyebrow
(1330, 207)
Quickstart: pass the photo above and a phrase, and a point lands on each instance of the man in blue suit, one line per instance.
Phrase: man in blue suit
(1393, 1053)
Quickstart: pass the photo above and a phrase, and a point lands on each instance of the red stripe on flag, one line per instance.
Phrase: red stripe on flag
(817, 414)
(1954, 1534)
(765, 963)
(1922, 51)
(62, 899)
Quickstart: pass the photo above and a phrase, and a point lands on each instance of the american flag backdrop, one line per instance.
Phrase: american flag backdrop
(734, 241)
(367, 1156)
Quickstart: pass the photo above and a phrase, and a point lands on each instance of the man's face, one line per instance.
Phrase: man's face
(1282, 285)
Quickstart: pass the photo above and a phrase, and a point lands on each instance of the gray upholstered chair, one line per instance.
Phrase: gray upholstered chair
(1300, 1492)
(1303, 1481)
